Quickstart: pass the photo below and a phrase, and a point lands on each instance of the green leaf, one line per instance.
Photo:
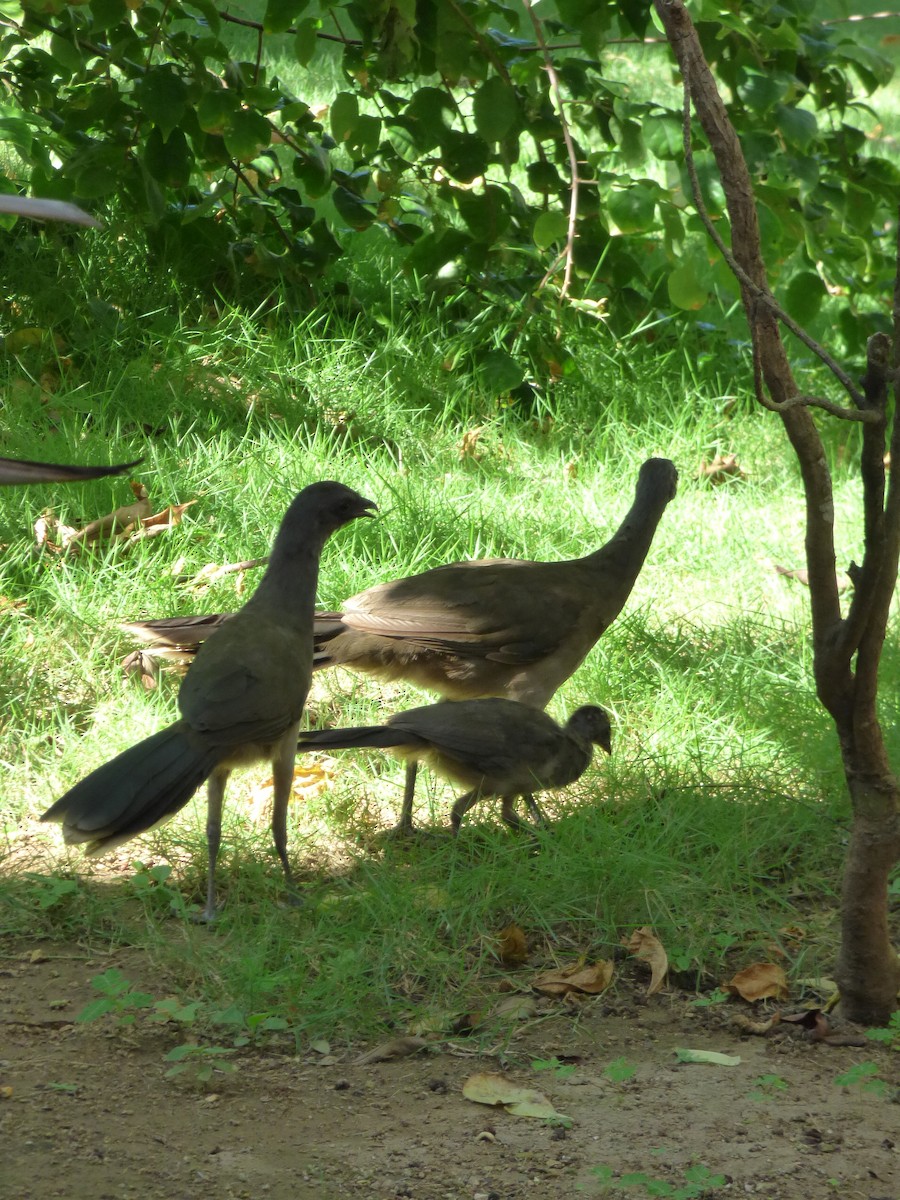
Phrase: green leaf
(247, 134)
(343, 115)
(306, 40)
(280, 14)
(633, 208)
(707, 1056)
(499, 372)
(215, 110)
(96, 1008)
(66, 53)
(662, 136)
(550, 227)
(434, 250)
(169, 160)
(496, 109)
(162, 95)
(357, 213)
(804, 295)
(798, 126)
(543, 177)
(486, 213)
(685, 289)
(464, 156)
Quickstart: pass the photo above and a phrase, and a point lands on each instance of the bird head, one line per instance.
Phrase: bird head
(592, 723)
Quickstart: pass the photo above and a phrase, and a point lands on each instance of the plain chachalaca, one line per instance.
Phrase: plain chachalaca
(492, 627)
(493, 747)
(20, 470)
(241, 700)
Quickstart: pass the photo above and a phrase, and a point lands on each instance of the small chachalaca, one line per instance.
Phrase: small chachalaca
(20, 470)
(493, 747)
(241, 700)
(492, 627)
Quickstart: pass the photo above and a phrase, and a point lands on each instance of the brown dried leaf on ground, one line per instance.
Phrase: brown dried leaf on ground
(761, 981)
(819, 1029)
(120, 520)
(520, 1101)
(758, 1028)
(161, 522)
(398, 1047)
(143, 667)
(645, 945)
(512, 946)
(722, 468)
(310, 779)
(586, 978)
(213, 571)
(468, 445)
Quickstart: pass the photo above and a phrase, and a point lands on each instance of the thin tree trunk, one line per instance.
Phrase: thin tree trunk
(847, 651)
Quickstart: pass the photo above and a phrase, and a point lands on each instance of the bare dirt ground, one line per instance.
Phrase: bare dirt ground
(86, 1110)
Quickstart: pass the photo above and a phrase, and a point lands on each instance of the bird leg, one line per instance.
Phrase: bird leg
(461, 807)
(283, 778)
(404, 827)
(215, 799)
(537, 813)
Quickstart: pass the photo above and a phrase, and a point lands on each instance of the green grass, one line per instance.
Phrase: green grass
(719, 819)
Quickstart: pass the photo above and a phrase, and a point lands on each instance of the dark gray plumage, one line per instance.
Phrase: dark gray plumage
(493, 627)
(494, 747)
(241, 700)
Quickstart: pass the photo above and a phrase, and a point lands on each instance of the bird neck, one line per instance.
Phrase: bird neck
(289, 585)
(623, 555)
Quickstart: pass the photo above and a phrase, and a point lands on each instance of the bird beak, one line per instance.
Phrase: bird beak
(607, 746)
(364, 507)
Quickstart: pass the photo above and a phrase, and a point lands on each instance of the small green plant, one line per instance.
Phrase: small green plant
(889, 1035)
(698, 1180)
(151, 885)
(620, 1070)
(717, 996)
(116, 996)
(767, 1087)
(201, 1062)
(49, 890)
(864, 1076)
(560, 1070)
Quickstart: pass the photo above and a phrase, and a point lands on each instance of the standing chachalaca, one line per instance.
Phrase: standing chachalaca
(241, 700)
(492, 627)
(20, 470)
(493, 747)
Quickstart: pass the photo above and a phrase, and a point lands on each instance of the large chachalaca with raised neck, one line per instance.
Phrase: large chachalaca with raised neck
(492, 747)
(491, 627)
(241, 701)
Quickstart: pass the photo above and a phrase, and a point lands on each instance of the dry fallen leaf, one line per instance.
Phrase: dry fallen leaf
(758, 1028)
(398, 1047)
(759, 982)
(143, 667)
(488, 1088)
(512, 946)
(468, 446)
(310, 778)
(713, 1057)
(722, 468)
(588, 978)
(645, 945)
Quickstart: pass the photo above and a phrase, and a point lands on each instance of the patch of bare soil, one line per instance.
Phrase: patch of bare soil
(86, 1110)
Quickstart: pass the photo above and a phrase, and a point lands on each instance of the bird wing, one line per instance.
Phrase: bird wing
(248, 682)
(509, 743)
(501, 609)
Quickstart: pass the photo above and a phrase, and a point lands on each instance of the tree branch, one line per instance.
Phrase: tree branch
(569, 251)
(764, 294)
(834, 680)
